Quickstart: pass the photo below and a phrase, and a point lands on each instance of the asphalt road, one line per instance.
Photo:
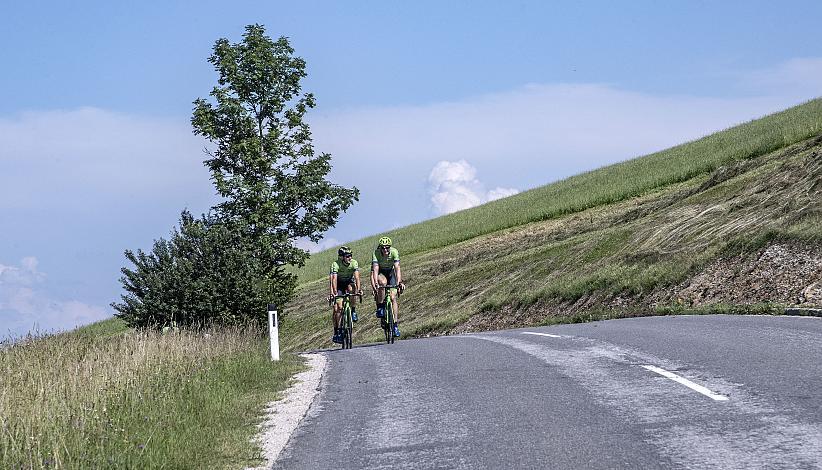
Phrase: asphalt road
(660, 392)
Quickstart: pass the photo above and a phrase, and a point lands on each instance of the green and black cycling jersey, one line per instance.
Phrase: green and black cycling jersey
(386, 262)
(344, 272)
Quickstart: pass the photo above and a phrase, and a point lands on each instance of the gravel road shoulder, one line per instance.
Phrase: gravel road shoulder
(283, 416)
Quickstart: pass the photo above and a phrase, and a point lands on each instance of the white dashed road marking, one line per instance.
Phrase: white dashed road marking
(687, 383)
(541, 334)
(662, 372)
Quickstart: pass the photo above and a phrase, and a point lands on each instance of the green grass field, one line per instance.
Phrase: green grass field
(107, 397)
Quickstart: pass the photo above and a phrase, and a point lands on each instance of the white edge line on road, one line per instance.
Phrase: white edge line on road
(541, 334)
(687, 383)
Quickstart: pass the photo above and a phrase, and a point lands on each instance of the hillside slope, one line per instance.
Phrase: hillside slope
(604, 185)
(746, 236)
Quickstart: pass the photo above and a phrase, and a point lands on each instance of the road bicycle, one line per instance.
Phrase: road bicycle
(387, 321)
(347, 321)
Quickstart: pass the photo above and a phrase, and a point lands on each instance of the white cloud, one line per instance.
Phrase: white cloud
(454, 187)
(30, 311)
(25, 306)
(454, 197)
(26, 274)
(499, 193)
(452, 172)
(312, 247)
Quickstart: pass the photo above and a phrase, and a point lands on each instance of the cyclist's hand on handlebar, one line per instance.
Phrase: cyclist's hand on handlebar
(401, 287)
(331, 298)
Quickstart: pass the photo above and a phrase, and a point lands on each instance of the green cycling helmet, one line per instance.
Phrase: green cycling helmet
(344, 250)
(384, 241)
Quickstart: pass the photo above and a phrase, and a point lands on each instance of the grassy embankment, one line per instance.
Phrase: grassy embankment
(614, 235)
(108, 397)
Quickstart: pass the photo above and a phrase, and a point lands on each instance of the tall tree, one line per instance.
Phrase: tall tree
(226, 266)
(273, 185)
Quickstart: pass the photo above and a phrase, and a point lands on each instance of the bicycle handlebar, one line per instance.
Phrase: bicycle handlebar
(343, 296)
(392, 286)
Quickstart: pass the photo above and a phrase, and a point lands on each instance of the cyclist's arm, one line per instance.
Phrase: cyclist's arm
(399, 273)
(357, 280)
(333, 281)
(375, 268)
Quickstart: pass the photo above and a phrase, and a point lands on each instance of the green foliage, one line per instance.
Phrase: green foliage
(205, 273)
(759, 308)
(264, 165)
(225, 267)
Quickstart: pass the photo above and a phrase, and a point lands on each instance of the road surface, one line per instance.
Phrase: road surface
(656, 392)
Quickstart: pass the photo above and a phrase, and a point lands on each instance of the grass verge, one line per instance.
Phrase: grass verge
(137, 400)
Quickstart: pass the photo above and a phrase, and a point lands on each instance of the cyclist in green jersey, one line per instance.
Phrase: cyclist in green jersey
(385, 271)
(344, 277)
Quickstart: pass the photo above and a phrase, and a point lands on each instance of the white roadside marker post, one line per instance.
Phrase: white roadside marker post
(274, 332)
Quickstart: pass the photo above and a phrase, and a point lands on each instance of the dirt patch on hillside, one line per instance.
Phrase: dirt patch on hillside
(509, 317)
(781, 273)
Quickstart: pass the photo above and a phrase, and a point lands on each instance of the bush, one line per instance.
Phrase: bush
(205, 273)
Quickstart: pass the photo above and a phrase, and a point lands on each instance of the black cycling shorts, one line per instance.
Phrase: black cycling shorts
(342, 286)
(391, 275)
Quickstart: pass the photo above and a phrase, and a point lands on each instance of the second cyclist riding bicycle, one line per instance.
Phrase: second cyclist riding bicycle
(344, 278)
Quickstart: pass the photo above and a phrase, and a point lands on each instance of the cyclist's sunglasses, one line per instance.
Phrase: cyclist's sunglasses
(385, 247)
(349, 255)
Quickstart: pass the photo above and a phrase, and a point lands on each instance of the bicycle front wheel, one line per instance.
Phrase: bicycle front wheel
(389, 315)
(348, 327)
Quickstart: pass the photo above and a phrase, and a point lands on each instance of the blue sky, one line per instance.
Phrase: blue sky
(459, 102)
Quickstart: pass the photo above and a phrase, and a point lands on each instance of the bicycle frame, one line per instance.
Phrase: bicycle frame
(347, 321)
(387, 322)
